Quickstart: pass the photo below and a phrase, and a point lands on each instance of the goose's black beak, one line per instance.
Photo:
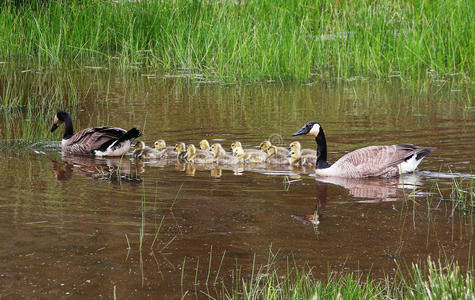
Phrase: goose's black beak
(303, 130)
(53, 128)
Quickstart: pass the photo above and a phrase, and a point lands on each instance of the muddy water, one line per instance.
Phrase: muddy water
(75, 227)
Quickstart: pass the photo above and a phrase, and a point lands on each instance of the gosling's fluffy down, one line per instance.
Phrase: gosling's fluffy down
(275, 157)
(221, 157)
(181, 151)
(249, 157)
(297, 146)
(296, 158)
(237, 144)
(265, 145)
(144, 152)
(198, 156)
(204, 145)
(169, 152)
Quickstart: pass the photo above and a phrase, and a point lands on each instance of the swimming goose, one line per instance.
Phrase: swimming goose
(168, 152)
(221, 156)
(275, 157)
(265, 145)
(386, 161)
(145, 152)
(198, 156)
(204, 145)
(249, 157)
(98, 141)
(181, 151)
(297, 158)
(297, 146)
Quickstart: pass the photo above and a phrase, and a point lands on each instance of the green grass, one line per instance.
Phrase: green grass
(460, 195)
(432, 280)
(463, 195)
(251, 41)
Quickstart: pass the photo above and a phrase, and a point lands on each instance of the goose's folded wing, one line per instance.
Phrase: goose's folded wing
(92, 138)
(374, 160)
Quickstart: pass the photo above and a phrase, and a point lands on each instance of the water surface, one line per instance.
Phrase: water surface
(67, 222)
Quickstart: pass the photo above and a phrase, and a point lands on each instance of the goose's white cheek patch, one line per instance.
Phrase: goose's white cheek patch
(315, 130)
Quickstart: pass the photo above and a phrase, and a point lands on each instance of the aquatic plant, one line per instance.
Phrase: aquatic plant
(249, 40)
(433, 280)
(462, 195)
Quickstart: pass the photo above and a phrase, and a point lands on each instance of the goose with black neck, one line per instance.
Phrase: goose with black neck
(371, 161)
(95, 141)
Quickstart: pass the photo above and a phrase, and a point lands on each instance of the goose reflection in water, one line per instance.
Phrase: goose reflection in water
(368, 190)
(114, 169)
(375, 190)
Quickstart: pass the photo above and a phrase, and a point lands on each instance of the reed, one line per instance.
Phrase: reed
(462, 195)
(431, 280)
(249, 40)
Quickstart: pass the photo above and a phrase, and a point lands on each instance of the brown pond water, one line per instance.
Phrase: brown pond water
(65, 222)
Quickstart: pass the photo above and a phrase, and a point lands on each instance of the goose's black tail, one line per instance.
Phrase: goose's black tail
(129, 135)
(423, 153)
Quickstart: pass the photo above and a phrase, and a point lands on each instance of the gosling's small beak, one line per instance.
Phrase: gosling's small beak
(303, 130)
(54, 127)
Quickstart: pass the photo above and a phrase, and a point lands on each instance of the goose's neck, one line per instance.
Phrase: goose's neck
(68, 132)
(321, 150)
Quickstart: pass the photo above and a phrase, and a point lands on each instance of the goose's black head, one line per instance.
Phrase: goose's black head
(60, 117)
(310, 128)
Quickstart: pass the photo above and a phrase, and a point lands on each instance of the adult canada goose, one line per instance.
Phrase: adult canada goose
(275, 157)
(265, 145)
(386, 161)
(204, 145)
(249, 157)
(98, 141)
(237, 144)
(198, 156)
(144, 152)
(296, 158)
(168, 151)
(181, 151)
(297, 146)
(221, 156)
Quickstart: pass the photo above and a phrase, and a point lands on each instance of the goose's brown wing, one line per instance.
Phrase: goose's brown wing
(374, 160)
(90, 139)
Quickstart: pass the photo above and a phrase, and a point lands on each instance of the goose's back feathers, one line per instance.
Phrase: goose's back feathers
(89, 140)
(372, 161)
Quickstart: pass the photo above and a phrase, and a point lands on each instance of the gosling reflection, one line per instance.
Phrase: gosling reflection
(114, 169)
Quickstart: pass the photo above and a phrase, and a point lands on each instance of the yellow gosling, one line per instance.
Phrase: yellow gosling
(221, 156)
(198, 156)
(204, 145)
(168, 152)
(297, 146)
(237, 144)
(296, 158)
(144, 152)
(275, 157)
(265, 145)
(249, 157)
(181, 151)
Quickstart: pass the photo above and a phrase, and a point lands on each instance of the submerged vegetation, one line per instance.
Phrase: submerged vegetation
(249, 40)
